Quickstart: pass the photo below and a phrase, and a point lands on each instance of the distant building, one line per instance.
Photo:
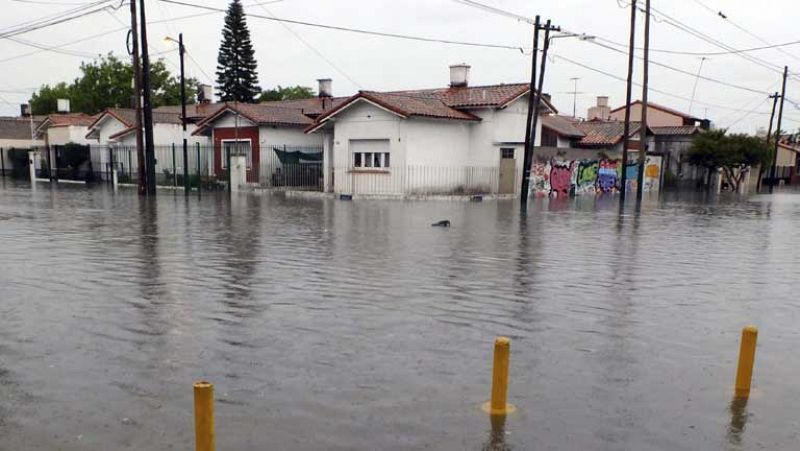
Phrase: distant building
(65, 128)
(18, 133)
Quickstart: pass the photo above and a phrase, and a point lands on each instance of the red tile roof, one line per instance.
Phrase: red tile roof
(444, 103)
(417, 105)
(68, 119)
(683, 130)
(194, 111)
(563, 125)
(258, 113)
(603, 133)
(310, 107)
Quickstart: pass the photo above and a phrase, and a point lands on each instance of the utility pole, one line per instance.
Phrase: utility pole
(534, 101)
(575, 96)
(149, 150)
(182, 50)
(137, 100)
(526, 159)
(778, 132)
(643, 121)
(627, 127)
(774, 98)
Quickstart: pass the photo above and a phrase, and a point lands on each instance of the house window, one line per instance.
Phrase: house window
(507, 153)
(370, 153)
(233, 147)
(371, 160)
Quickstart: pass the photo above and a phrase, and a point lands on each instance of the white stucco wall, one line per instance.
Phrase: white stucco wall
(229, 120)
(366, 121)
(287, 135)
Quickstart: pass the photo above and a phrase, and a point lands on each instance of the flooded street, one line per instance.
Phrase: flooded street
(333, 325)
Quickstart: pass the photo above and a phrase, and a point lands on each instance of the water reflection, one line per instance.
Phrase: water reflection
(739, 414)
(497, 435)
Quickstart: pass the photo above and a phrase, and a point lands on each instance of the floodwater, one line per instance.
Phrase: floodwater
(333, 325)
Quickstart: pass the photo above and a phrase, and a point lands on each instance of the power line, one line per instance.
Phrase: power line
(688, 53)
(313, 49)
(59, 20)
(685, 72)
(354, 30)
(743, 29)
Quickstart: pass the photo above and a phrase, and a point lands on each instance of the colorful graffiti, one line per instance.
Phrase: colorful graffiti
(561, 178)
(608, 176)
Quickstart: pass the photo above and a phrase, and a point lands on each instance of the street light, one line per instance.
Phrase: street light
(181, 51)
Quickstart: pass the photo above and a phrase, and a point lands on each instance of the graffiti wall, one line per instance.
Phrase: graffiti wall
(563, 178)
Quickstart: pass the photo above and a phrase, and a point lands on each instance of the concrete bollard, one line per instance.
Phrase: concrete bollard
(204, 416)
(114, 179)
(747, 357)
(498, 405)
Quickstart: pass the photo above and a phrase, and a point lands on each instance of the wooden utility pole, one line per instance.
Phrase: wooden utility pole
(774, 98)
(627, 127)
(534, 102)
(137, 100)
(526, 159)
(774, 171)
(149, 150)
(643, 121)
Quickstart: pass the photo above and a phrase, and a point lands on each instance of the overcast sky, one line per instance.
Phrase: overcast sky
(295, 54)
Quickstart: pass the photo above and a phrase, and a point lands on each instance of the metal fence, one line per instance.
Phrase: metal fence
(418, 180)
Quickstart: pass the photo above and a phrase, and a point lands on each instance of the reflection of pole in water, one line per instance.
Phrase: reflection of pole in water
(497, 436)
(738, 409)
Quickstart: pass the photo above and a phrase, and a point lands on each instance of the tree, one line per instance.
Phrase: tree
(287, 93)
(106, 82)
(237, 79)
(732, 154)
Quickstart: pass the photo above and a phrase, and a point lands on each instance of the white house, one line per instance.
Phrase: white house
(15, 133)
(65, 128)
(116, 126)
(459, 139)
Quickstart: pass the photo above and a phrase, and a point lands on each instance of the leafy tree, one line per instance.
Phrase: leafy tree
(716, 149)
(287, 93)
(237, 79)
(106, 82)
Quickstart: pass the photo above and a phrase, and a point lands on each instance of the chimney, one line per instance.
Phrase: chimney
(62, 105)
(459, 75)
(601, 111)
(24, 110)
(205, 94)
(325, 89)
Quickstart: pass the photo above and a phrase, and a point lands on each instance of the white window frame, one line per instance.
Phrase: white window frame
(223, 163)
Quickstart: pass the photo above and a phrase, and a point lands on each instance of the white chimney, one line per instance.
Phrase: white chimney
(602, 101)
(62, 105)
(459, 75)
(325, 89)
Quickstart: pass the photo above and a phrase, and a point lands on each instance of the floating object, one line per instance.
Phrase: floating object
(345, 197)
(442, 223)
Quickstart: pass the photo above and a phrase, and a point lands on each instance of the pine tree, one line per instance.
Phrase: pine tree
(237, 79)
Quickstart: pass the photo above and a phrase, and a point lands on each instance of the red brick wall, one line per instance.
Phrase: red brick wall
(250, 133)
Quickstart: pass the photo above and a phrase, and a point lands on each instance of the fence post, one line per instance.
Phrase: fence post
(2, 162)
(174, 169)
(199, 176)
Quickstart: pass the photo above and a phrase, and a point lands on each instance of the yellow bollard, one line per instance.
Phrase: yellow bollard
(204, 416)
(498, 404)
(747, 356)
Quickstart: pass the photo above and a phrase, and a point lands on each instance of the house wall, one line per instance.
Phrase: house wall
(655, 117)
(786, 157)
(107, 128)
(438, 156)
(242, 133)
(290, 136)
(366, 121)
